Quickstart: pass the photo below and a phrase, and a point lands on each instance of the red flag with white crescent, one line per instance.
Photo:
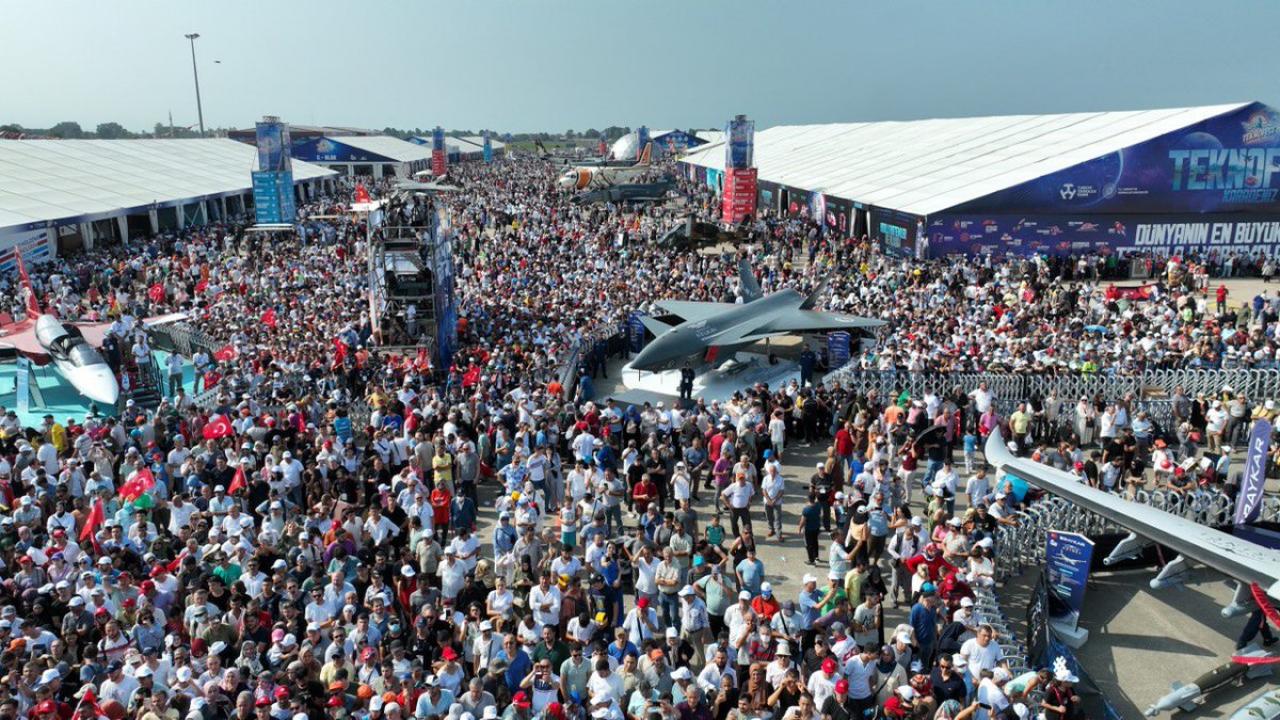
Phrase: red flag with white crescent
(269, 318)
(217, 428)
(156, 292)
(226, 354)
(138, 483)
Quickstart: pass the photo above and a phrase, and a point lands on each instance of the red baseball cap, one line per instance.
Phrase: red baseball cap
(265, 701)
(842, 687)
(521, 700)
(829, 666)
(46, 706)
(449, 654)
(642, 603)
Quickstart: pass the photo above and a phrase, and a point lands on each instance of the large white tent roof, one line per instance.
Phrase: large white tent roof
(392, 148)
(44, 180)
(927, 166)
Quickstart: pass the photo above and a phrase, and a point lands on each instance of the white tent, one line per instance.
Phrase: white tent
(65, 180)
(927, 166)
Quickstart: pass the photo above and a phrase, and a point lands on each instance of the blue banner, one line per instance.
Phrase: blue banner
(1228, 163)
(1164, 235)
(323, 149)
(838, 349)
(739, 145)
(1249, 499)
(273, 201)
(443, 281)
(1067, 559)
(488, 148)
(272, 139)
(437, 139)
(642, 139)
(635, 331)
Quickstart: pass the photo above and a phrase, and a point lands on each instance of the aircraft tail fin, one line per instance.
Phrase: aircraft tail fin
(646, 155)
(542, 149)
(654, 325)
(32, 302)
(747, 279)
(811, 302)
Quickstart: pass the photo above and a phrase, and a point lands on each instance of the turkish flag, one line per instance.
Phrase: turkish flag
(138, 483)
(362, 195)
(218, 427)
(269, 318)
(156, 292)
(238, 482)
(202, 285)
(226, 354)
(97, 516)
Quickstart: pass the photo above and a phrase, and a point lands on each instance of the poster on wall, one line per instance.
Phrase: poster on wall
(895, 231)
(836, 217)
(37, 245)
(1228, 163)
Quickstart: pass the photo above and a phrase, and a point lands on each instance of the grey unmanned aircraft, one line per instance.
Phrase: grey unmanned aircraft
(711, 331)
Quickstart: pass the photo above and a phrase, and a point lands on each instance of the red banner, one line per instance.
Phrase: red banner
(739, 196)
(1142, 292)
(437, 162)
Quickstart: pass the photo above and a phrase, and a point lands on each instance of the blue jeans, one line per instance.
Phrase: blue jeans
(670, 603)
(612, 515)
(931, 471)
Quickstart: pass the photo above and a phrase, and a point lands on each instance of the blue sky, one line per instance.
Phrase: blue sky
(552, 65)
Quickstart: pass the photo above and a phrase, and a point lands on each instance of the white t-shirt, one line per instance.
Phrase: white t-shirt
(981, 658)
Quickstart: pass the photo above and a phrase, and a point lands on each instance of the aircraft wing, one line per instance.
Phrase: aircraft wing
(801, 321)
(1241, 559)
(692, 310)
(21, 336)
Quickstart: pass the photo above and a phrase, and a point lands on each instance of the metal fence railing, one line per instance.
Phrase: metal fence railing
(1021, 546)
(1152, 384)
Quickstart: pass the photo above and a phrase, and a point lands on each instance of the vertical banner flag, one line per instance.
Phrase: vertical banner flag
(603, 149)
(1249, 501)
(635, 331)
(1067, 559)
(642, 139)
(273, 199)
(488, 148)
(438, 160)
(740, 178)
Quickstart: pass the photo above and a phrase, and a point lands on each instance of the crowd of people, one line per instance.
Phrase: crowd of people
(487, 543)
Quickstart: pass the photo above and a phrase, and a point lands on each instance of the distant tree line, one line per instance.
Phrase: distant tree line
(71, 130)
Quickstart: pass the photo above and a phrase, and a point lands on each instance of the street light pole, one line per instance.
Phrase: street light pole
(195, 74)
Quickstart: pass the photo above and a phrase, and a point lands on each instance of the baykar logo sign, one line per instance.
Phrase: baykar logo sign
(1067, 191)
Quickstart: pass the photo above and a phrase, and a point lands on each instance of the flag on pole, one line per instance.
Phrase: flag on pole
(97, 516)
(238, 481)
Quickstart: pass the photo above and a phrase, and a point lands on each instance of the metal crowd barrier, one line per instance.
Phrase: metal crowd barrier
(1254, 383)
(1021, 546)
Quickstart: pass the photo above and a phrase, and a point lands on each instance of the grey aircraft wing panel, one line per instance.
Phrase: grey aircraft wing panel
(692, 310)
(799, 321)
(1243, 560)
